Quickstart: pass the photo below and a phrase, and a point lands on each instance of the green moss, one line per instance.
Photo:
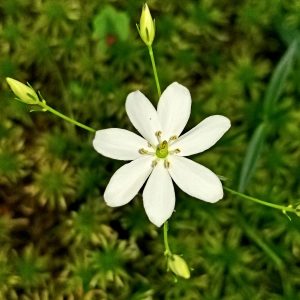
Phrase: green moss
(86, 57)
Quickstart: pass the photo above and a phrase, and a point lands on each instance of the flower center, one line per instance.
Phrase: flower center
(162, 150)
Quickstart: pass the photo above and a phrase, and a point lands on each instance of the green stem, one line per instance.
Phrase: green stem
(276, 206)
(166, 226)
(68, 119)
(154, 71)
(166, 242)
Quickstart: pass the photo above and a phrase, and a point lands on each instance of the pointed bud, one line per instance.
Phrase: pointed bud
(178, 266)
(147, 26)
(23, 92)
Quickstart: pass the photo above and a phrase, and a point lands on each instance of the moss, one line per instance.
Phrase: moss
(58, 238)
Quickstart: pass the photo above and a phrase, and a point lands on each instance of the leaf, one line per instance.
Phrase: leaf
(278, 79)
(273, 93)
(111, 22)
(252, 155)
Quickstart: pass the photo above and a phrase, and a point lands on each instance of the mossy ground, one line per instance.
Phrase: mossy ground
(58, 240)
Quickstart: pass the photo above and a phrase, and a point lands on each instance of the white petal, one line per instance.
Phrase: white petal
(127, 181)
(174, 109)
(143, 116)
(118, 143)
(159, 196)
(195, 179)
(203, 136)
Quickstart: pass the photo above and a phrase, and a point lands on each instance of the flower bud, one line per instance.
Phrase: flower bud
(147, 26)
(23, 92)
(178, 266)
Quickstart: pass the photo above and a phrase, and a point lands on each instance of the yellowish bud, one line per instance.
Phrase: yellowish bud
(147, 26)
(23, 92)
(178, 266)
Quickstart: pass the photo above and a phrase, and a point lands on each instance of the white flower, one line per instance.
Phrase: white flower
(160, 154)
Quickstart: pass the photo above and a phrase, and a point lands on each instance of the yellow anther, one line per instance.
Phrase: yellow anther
(154, 163)
(173, 138)
(143, 151)
(146, 152)
(158, 135)
(176, 151)
(166, 164)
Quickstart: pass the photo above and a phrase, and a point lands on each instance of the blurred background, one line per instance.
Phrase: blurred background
(58, 239)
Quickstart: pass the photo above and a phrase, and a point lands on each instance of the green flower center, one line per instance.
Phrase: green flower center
(162, 150)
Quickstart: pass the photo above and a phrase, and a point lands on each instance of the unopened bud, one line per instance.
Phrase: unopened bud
(179, 266)
(23, 92)
(147, 26)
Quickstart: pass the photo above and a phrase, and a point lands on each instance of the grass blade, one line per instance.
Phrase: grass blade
(252, 155)
(278, 79)
(273, 93)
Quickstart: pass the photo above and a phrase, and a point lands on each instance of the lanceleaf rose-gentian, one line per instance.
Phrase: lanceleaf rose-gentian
(159, 155)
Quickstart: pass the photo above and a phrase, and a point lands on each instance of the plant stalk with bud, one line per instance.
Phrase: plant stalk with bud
(147, 34)
(160, 154)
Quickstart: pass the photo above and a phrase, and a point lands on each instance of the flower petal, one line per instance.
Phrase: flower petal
(127, 181)
(119, 143)
(174, 109)
(203, 136)
(143, 116)
(159, 196)
(195, 179)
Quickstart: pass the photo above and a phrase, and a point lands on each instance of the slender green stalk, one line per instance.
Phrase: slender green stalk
(276, 206)
(154, 71)
(166, 241)
(68, 119)
(166, 226)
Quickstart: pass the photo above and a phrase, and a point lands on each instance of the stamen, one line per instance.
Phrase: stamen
(146, 152)
(166, 164)
(154, 163)
(158, 136)
(172, 139)
(143, 151)
(176, 151)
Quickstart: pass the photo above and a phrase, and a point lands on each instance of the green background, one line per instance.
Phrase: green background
(58, 239)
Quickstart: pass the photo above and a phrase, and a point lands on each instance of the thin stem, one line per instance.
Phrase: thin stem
(70, 120)
(276, 206)
(166, 242)
(166, 225)
(154, 71)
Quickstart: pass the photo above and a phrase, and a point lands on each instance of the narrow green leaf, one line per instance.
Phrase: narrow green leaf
(278, 79)
(273, 93)
(252, 154)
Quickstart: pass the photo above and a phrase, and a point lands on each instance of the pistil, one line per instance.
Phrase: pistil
(162, 150)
